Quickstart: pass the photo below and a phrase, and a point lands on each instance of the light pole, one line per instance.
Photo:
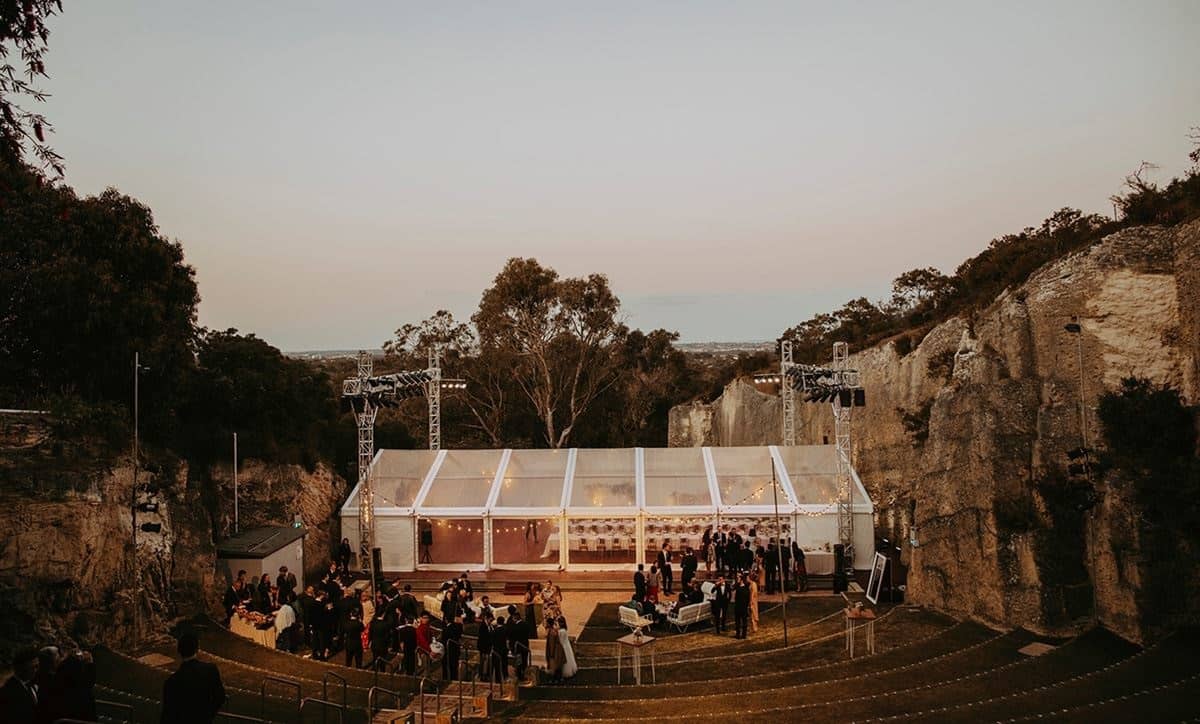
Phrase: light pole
(235, 485)
(138, 368)
(1075, 328)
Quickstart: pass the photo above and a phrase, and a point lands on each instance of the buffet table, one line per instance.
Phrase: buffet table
(248, 629)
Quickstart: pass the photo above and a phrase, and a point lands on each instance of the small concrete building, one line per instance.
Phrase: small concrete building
(263, 550)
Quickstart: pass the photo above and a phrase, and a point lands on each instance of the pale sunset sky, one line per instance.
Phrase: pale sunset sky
(334, 170)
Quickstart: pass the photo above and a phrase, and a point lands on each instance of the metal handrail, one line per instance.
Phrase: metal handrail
(241, 717)
(127, 708)
(421, 697)
(325, 691)
(262, 693)
(371, 699)
(325, 705)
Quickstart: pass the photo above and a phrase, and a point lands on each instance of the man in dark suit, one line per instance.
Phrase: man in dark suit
(19, 696)
(407, 637)
(719, 604)
(664, 565)
(518, 641)
(741, 606)
(194, 693)
(687, 566)
(500, 650)
(771, 563)
(639, 583)
(233, 596)
(452, 641)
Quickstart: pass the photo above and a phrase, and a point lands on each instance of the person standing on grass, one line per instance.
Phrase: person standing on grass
(753, 605)
(664, 567)
(719, 604)
(194, 693)
(741, 606)
(687, 566)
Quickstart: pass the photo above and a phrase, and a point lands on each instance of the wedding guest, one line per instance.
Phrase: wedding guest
(570, 666)
(194, 693)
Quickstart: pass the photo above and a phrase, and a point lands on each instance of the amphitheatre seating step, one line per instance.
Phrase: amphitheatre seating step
(216, 640)
(1172, 661)
(994, 671)
(801, 669)
(815, 642)
(1088, 653)
(981, 657)
(1174, 701)
(126, 679)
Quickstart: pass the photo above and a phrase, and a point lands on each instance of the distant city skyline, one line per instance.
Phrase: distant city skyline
(334, 173)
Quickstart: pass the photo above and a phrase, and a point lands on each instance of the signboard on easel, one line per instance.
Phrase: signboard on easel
(875, 583)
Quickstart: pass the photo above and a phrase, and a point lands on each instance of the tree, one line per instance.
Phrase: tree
(918, 286)
(283, 409)
(84, 284)
(561, 335)
(23, 33)
(411, 344)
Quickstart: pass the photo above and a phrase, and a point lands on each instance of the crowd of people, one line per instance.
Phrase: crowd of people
(750, 568)
(46, 686)
(332, 618)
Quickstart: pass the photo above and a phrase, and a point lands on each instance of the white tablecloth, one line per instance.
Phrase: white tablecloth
(818, 563)
(612, 541)
(245, 629)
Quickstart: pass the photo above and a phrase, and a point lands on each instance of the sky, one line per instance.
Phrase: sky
(335, 170)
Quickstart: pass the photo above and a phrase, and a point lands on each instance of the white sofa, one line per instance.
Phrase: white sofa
(690, 614)
(630, 618)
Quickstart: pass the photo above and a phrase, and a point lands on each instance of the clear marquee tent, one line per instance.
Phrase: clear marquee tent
(586, 509)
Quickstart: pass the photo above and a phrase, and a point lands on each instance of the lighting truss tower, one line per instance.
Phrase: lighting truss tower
(788, 394)
(849, 381)
(365, 394)
(840, 386)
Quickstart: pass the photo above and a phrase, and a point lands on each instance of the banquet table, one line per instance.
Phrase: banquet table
(612, 541)
(248, 629)
(818, 563)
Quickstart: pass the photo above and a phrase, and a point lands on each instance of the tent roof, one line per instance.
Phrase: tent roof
(610, 482)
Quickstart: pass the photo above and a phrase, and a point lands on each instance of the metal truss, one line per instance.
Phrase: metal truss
(788, 393)
(839, 385)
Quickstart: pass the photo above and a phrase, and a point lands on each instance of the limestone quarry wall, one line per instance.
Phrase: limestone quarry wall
(65, 572)
(1001, 391)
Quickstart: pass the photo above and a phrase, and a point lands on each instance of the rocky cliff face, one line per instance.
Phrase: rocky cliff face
(65, 564)
(275, 495)
(997, 400)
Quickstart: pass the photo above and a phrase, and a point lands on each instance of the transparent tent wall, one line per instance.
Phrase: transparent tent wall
(680, 532)
(450, 542)
(602, 541)
(525, 541)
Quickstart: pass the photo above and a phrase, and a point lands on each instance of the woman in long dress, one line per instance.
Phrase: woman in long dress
(753, 606)
(551, 603)
(570, 667)
(554, 652)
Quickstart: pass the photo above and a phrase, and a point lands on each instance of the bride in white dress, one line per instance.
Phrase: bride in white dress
(570, 667)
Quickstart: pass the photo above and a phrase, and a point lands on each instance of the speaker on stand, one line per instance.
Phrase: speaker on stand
(841, 583)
